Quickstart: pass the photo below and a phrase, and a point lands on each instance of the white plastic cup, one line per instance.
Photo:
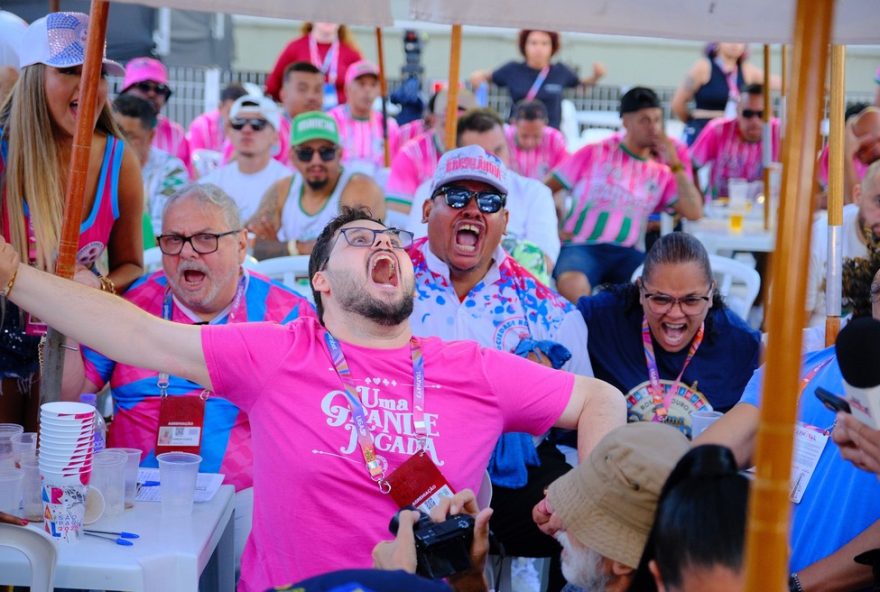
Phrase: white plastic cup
(64, 507)
(131, 473)
(738, 191)
(67, 409)
(31, 503)
(701, 420)
(108, 475)
(177, 481)
(10, 490)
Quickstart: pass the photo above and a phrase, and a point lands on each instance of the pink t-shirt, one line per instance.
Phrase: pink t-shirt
(171, 138)
(861, 168)
(410, 130)
(413, 165)
(539, 161)
(721, 144)
(613, 193)
(315, 507)
(362, 139)
(206, 132)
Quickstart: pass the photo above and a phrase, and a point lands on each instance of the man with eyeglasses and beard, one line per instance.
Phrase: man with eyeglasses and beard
(254, 122)
(732, 145)
(296, 208)
(353, 417)
(147, 78)
(202, 281)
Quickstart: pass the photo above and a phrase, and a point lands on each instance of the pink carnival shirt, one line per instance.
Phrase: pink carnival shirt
(413, 165)
(206, 132)
(613, 193)
(316, 508)
(861, 168)
(539, 161)
(732, 157)
(171, 138)
(363, 139)
(410, 130)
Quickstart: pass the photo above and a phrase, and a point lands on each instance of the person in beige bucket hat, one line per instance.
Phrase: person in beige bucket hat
(602, 510)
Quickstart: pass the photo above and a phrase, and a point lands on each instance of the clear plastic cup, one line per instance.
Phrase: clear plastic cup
(31, 502)
(177, 481)
(24, 446)
(131, 473)
(10, 490)
(108, 476)
(701, 420)
(7, 431)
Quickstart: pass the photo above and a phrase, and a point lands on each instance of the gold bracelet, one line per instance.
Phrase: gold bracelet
(107, 284)
(10, 283)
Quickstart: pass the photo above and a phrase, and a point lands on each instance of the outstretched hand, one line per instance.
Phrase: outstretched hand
(858, 443)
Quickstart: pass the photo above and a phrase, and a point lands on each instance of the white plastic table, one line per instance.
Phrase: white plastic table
(171, 554)
(716, 236)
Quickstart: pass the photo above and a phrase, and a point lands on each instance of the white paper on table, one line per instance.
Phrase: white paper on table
(207, 486)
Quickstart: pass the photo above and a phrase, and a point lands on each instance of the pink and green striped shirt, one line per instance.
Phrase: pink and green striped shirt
(539, 161)
(362, 139)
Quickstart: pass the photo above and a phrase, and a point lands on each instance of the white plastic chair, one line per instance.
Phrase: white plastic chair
(286, 270)
(39, 551)
(738, 283)
(152, 259)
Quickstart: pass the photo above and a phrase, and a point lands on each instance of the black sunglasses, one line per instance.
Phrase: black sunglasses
(457, 198)
(749, 113)
(256, 123)
(307, 154)
(146, 86)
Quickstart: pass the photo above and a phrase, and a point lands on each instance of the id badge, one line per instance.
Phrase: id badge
(330, 98)
(809, 443)
(418, 483)
(34, 326)
(180, 424)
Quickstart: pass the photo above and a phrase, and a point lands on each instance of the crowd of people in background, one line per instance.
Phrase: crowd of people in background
(490, 307)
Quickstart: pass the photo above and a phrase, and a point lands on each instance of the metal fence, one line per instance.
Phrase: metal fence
(193, 85)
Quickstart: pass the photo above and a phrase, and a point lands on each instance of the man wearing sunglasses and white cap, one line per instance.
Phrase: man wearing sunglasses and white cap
(253, 122)
(296, 208)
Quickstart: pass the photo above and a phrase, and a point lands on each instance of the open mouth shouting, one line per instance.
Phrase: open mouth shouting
(674, 334)
(192, 276)
(383, 270)
(468, 236)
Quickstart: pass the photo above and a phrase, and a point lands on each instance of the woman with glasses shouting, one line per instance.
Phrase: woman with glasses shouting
(37, 125)
(667, 340)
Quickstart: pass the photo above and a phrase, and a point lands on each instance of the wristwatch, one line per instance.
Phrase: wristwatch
(794, 583)
(676, 168)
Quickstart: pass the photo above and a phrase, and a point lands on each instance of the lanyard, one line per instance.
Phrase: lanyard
(331, 59)
(809, 376)
(162, 380)
(660, 404)
(732, 80)
(365, 441)
(536, 85)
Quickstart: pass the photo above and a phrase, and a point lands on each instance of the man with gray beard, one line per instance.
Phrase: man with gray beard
(602, 510)
(202, 281)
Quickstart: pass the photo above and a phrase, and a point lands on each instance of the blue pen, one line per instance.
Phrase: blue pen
(118, 541)
(150, 483)
(123, 534)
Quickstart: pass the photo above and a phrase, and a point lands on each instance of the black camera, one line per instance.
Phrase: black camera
(442, 548)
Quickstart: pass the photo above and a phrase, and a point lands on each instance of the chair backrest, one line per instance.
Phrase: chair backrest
(738, 283)
(287, 270)
(39, 550)
(152, 259)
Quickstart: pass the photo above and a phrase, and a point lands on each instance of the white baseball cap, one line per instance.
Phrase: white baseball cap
(59, 40)
(257, 104)
(470, 163)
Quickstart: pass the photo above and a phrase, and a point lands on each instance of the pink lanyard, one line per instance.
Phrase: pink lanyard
(661, 403)
(732, 86)
(365, 441)
(331, 59)
(536, 85)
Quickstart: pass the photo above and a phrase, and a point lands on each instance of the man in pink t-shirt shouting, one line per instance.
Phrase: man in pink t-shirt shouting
(615, 185)
(352, 417)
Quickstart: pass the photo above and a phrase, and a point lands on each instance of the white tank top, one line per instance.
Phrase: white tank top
(296, 224)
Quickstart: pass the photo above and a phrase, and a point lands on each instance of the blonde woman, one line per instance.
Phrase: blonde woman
(37, 124)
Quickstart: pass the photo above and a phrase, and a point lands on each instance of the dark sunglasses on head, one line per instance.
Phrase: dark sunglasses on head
(156, 87)
(256, 123)
(749, 113)
(307, 154)
(457, 198)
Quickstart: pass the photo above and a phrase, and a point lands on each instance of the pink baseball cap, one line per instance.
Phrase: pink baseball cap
(142, 69)
(470, 163)
(59, 40)
(361, 68)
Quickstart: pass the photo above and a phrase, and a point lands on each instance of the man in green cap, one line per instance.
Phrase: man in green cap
(295, 209)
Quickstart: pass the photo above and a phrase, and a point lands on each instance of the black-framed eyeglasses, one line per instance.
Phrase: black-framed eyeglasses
(147, 86)
(360, 236)
(457, 198)
(691, 304)
(203, 243)
(307, 154)
(256, 123)
(749, 113)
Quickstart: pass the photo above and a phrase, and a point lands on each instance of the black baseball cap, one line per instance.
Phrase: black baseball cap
(638, 98)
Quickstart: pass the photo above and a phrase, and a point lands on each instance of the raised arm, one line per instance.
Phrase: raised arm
(737, 430)
(103, 321)
(695, 78)
(594, 409)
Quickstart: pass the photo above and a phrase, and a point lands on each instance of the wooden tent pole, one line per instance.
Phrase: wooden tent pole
(767, 138)
(452, 86)
(834, 271)
(383, 90)
(769, 505)
(53, 358)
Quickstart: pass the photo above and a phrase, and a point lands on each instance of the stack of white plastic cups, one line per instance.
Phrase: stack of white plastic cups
(67, 432)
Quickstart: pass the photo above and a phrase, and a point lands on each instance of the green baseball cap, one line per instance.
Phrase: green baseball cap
(313, 125)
